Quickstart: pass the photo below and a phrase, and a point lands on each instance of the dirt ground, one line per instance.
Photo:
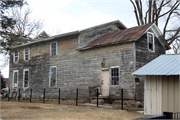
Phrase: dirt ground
(52, 111)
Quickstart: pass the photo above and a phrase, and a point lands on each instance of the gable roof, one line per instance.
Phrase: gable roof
(162, 65)
(130, 34)
(116, 22)
(42, 35)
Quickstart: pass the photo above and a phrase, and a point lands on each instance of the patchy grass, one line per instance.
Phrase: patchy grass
(52, 110)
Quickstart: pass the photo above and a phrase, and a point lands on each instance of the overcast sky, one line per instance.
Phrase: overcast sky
(61, 16)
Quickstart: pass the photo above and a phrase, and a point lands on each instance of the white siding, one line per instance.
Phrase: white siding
(145, 97)
(161, 94)
(153, 95)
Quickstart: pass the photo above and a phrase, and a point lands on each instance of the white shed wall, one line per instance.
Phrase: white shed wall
(162, 94)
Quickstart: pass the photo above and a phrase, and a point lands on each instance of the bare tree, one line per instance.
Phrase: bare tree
(25, 28)
(164, 12)
(27, 25)
(54, 31)
(176, 46)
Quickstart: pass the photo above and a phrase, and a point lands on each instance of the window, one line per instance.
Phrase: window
(15, 78)
(114, 76)
(53, 76)
(26, 54)
(16, 56)
(26, 78)
(53, 49)
(151, 41)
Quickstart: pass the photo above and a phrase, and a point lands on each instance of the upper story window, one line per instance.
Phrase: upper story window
(53, 76)
(15, 78)
(26, 78)
(150, 37)
(16, 57)
(114, 76)
(53, 48)
(26, 54)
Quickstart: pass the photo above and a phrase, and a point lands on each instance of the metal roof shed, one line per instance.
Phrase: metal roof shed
(161, 87)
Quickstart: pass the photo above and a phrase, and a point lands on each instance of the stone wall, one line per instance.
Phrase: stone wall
(89, 35)
(143, 56)
(83, 69)
(75, 69)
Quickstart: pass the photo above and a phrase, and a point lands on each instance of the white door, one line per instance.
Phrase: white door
(105, 83)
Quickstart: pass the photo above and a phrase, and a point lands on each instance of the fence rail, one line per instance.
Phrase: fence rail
(19, 93)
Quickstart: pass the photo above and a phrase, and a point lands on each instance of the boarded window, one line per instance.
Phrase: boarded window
(26, 54)
(114, 76)
(151, 41)
(26, 78)
(15, 78)
(16, 57)
(53, 76)
(53, 49)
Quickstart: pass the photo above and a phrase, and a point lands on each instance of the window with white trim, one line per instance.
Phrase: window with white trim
(26, 54)
(150, 37)
(16, 56)
(15, 78)
(53, 76)
(26, 78)
(114, 76)
(53, 48)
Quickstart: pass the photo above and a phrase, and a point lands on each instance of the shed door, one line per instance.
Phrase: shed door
(105, 83)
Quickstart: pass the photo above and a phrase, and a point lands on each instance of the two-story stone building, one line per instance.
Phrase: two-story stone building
(103, 55)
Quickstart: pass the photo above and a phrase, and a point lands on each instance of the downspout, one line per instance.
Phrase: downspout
(134, 48)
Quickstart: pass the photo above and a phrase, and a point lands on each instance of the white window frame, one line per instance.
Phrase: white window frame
(24, 77)
(111, 76)
(56, 49)
(28, 54)
(153, 41)
(15, 57)
(50, 77)
(13, 79)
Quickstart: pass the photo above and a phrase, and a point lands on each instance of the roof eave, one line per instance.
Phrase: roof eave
(97, 46)
(50, 38)
(113, 22)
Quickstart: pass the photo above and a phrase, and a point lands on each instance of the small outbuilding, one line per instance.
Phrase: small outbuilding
(161, 87)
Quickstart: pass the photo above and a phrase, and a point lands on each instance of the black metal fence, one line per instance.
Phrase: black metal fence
(96, 96)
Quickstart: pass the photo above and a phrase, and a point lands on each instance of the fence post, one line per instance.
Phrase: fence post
(30, 95)
(77, 97)
(19, 95)
(8, 94)
(59, 96)
(97, 97)
(121, 99)
(44, 96)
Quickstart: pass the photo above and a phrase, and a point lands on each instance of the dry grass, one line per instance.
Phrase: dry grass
(52, 111)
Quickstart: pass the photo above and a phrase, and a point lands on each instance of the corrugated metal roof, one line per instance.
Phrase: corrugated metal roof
(117, 22)
(119, 36)
(162, 65)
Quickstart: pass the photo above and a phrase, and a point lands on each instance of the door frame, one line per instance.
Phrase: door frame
(105, 69)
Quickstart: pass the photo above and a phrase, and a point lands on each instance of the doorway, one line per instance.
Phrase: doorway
(105, 83)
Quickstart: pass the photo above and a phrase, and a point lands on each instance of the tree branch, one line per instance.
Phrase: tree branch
(135, 11)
